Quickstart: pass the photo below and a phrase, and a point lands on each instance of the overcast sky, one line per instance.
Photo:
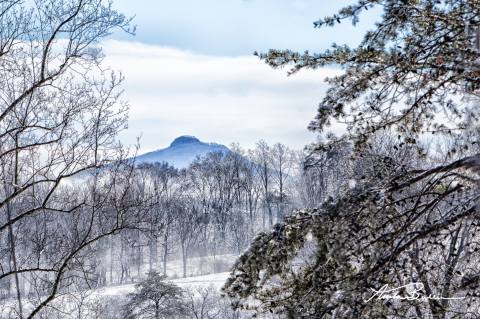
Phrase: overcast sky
(190, 69)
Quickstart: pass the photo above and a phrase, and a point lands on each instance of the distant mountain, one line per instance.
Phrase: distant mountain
(181, 152)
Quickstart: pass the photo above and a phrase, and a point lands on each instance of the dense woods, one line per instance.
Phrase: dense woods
(388, 206)
(77, 213)
(212, 208)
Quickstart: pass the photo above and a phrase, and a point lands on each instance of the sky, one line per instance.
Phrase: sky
(190, 69)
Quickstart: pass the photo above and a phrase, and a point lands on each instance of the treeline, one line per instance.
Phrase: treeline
(160, 214)
(212, 208)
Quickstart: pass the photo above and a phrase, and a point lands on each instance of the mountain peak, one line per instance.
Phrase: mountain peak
(184, 139)
(181, 152)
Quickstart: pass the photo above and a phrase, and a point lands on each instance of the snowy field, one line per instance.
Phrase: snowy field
(205, 281)
(200, 276)
(198, 266)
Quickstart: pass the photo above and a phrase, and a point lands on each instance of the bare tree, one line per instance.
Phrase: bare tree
(206, 303)
(281, 161)
(59, 116)
(261, 156)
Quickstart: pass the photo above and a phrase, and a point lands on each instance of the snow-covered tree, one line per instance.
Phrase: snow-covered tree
(406, 218)
(60, 112)
(155, 298)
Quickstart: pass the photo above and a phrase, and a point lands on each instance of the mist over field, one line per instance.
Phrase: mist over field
(239, 159)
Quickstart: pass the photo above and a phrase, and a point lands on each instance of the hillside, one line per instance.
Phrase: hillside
(181, 152)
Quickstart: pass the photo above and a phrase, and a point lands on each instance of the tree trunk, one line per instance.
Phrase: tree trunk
(184, 259)
(11, 235)
(270, 214)
(111, 260)
(14, 262)
(157, 310)
(139, 261)
(165, 251)
(152, 258)
(214, 251)
(122, 264)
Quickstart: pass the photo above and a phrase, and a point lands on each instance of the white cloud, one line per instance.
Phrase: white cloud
(222, 99)
(241, 26)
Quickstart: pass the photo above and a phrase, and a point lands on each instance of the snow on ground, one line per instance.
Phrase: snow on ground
(199, 274)
(215, 280)
(197, 265)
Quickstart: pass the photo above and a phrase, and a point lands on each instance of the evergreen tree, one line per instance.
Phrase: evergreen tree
(398, 224)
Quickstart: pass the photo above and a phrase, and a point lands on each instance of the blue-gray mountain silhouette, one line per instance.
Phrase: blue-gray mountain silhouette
(181, 152)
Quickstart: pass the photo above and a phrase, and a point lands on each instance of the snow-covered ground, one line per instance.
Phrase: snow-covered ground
(199, 271)
(215, 280)
(197, 266)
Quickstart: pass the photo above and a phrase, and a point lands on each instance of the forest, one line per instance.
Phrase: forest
(378, 221)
